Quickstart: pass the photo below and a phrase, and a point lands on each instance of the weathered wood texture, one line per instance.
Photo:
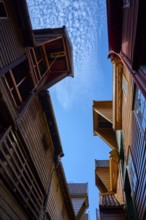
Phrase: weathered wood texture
(120, 192)
(18, 174)
(56, 204)
(9, 208)
(117, 95)
(104, 175)
(10, 37)
(33, 127)
(7, 99)
(127, 99)
(104, 108)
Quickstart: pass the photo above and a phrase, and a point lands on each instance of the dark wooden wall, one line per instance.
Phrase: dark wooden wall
(10, 209)
(34, 129)
(130, 17)
(10, 37)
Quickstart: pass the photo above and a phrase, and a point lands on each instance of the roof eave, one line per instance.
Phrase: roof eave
(114, 23)
(46, 103)
(24, 21)
(66, 193)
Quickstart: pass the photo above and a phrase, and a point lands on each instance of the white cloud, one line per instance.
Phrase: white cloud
(84, 21)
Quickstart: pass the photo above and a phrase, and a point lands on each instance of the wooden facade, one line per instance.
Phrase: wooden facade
(79, 197)
(103, 122)
(33, 183)
(132, 146)
(106, 173)
(127, 49)
(110, 208)
(28, 165)
(126, 36)
(129, 124)
(102, 175)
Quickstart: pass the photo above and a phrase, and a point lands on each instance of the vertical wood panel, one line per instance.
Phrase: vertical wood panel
(10, 37)
(139, 158)
(32, 122)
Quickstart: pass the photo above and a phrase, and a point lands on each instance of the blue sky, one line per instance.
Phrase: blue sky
(73, 97)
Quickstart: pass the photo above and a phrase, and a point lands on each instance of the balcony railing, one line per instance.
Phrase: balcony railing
(17, 173)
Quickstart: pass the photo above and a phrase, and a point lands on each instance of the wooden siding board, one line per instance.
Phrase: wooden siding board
(17, 169)
(7, 40)
(3, 46)
(7, 99)
(9, 209)
(36, 127)
(20, 181)
(139, 159)
(12, 47)
(20, 156)
(56, 200)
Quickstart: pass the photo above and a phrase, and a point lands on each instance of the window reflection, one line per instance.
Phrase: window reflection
(140, 108)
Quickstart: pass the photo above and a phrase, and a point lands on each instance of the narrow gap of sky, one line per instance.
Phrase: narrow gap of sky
(73, 97)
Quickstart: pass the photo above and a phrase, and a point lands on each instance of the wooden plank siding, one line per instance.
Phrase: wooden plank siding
(7, 99)
(9, 208)
(17, 173)
(104, 175)
(130, 15)
(139, 159)
(32, 122)
(104, 108)
(10, 38)
(127, 99)
(56, 203)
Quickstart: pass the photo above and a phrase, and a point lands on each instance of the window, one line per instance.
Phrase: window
(18, 83)
(126, 3)
(143, 67)
(3, 12)
(125, 86)
(45, 142)
(140, 108)
(132, 172)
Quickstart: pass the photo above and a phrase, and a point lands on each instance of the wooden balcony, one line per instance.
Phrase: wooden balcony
(18, 174)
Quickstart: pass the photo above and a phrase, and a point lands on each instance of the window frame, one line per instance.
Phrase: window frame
(139, 107)
(132, 173)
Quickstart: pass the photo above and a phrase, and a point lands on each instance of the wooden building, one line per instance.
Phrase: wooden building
(126, 35)
(124, 118)
(32, 177)
(110, 207)
(111, 204)
(79, 198)
(128, 109)
(33, 183)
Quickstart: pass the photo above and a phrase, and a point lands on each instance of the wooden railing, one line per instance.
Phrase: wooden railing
(17, 174)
